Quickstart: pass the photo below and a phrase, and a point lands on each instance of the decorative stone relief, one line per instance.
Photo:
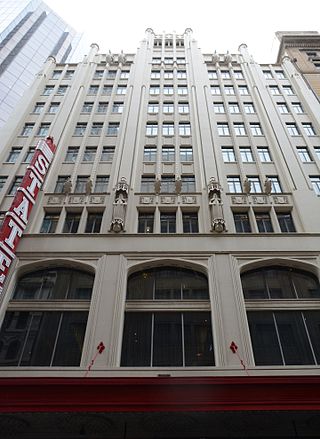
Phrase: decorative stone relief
(239, 199)
(189, 199)
(178, 185)
(96, 199)
(246, 186)
(260, 199)
(146, 200)
(267, 186)
(76, 199)
(281, 199)
(167, 200)
(67, 187)
(55, 199)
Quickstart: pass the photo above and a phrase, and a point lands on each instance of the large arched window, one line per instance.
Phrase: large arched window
(167, 319)
(52, 335)
(283, 310)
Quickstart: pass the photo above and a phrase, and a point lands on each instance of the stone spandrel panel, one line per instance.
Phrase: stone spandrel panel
(281, 199)
(260, 199)
(168, 200)
(55, 199)
(146, 200)
(239, 199)
(189, 199)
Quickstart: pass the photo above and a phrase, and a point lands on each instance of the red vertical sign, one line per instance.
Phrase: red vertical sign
(16, 219)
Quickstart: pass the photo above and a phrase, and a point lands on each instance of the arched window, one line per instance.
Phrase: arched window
(167, 319)
(283, 310)
(32, 336)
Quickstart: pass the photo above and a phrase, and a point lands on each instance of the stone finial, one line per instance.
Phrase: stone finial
(215, 57)
(122, 59)
(109, 58)
(228, 58)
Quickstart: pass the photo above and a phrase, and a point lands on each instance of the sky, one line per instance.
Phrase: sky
(221, 26)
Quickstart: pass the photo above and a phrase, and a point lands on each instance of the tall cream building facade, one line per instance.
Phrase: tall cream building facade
(179, 227)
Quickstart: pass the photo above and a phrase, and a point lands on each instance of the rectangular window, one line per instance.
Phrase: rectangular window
(121, 90)
(228, 154)
(212, 74)
(154, 89)
(288, 90)
(184, 129)
(98, 74)
(241, 222)
(239, 129)
(186, 154)
(168, 107)
(48, 90)
(264, 154)
(113, 128)
(246, 154)
(41, 337)
(61, 181)
(317, 151)
(223, 129)
(234, 184)
(267, 74)
(80, 129)
(147, 184)
(225, 74)
(145, 222)
(101, 185)
(286, 222)
(264, 223)
(96, 129)
(218, 107)
(49, 223)
(107, 153)
(292, 129)
(304, 155)
(215, 90)
(168, 129)
(275, 184)
(243, 90)
(315, 181)
(168, 153)
(256, 129)
(89, 154)
(38, 107)
(308, 129)
(81, 184)
(3, 180)
(238, 74)
(16, 183)
(168, 90)
(152, 129)
(54, 107)
(117, 107)
(111, 74)
(182, 90)
(72, 154)
(190, 222)
(183, 107)
(280, 74)
(181, 74)
(27, 129)
(71, 223)
(229, 90)
(274, 90)
(102, 107)
(168, 74)
(87, 107)
(56, 74)
(93, 90)
(155, 74)
(188, 183)
(233, 108)
(43, 129)
(249, 108)
(282, 107)
(69, 74)
(150, 154)
(153, 107)
(107, 90)
(297, 107)
(255, 186)
(168, 222)
(62, 89)
(29, 154)
(168, 185)
(94, 221)
(13, 155)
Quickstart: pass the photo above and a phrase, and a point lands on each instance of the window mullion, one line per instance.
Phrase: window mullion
(56, 339)
(25, 340)
(278, 337)
(308, 336)
(182, 340)
(151, 341)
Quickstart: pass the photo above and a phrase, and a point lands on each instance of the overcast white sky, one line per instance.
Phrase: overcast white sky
(217, 25)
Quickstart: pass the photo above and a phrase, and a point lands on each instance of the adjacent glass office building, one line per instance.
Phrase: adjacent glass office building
(29, 32)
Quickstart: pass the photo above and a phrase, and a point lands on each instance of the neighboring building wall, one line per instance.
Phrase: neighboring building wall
(29, 33)
(193, 161)
(304, 49)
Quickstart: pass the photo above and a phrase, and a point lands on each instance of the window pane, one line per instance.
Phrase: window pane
(70, 340)
(312, 320)
(198, 342)
(136, 346)
(264, 339)
(167, 285)
(167, 340)
(94, 222)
